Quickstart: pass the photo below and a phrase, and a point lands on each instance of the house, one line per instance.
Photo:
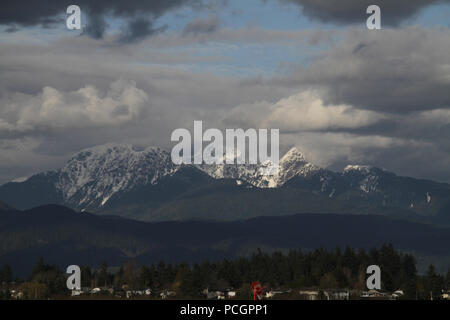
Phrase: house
(16, 294)
(271, 294)
(219, 295)
(337, 295)
(107, 290)
(167, 294)
(373, 294)
(397, 294)
(76, 292)
(310, 294)
(96, 291)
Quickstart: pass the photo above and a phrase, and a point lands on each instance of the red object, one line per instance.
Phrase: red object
(257, 289)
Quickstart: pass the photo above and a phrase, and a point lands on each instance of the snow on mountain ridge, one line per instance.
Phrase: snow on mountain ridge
(360, 168)
(292, 164)
(293, 155)
(92, 176)
(369, 177)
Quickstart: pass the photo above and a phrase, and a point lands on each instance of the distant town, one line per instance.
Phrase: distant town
(296, 275)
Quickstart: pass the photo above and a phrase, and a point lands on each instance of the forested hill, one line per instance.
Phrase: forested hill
(64, 237)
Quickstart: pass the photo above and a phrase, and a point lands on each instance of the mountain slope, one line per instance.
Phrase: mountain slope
(145, 185)
(91, 177)
(94, 175)
(37, 190)
(372, 187)
(65, 237)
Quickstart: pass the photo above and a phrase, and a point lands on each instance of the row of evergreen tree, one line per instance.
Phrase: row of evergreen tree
(337, 269)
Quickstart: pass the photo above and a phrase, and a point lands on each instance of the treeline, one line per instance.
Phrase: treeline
(337, 269)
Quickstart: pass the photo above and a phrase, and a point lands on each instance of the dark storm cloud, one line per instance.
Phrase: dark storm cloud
(397, 71)
(96, 27)
(140, 15)
(393, 12)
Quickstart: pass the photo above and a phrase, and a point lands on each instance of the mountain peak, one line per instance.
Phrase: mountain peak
(92, 176)
(294, 154)
(124, 147)
(358, 168)
(107, 146)
(20, 180)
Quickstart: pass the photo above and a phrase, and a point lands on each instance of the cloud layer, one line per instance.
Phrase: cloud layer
(395, 70)
(349, 96)
(140, 15)
(304, 111)
(87, 107)
(354, 11)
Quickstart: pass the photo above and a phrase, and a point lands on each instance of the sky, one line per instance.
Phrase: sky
(137, 70)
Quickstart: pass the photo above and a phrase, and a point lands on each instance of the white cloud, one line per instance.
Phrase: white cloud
(305, 111)
(435, 117)
(86, 107)
(357, 79)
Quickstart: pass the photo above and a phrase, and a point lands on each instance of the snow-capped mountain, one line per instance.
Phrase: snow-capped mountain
(91, 177)
(292, 164)
(121, 179)
(95, 176)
